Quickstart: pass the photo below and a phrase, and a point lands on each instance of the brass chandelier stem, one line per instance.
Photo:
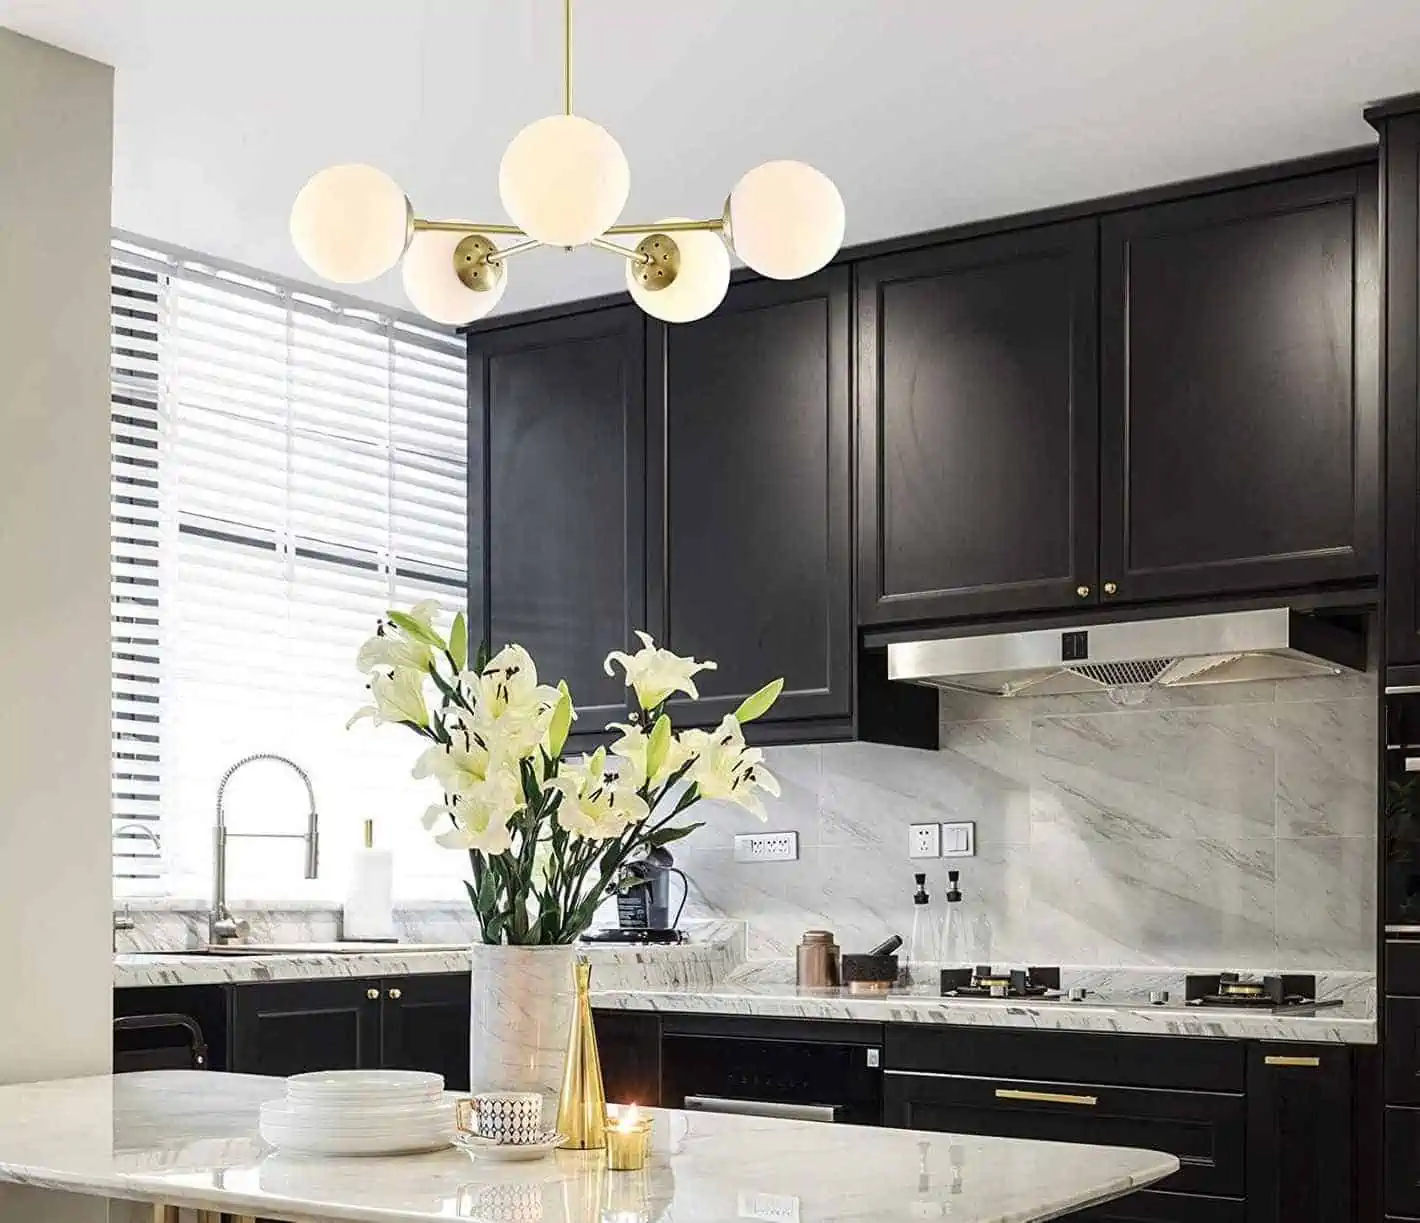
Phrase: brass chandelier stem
(566, 57)
(617, 249)
(710, 225)
(516, 249)
(467, 227)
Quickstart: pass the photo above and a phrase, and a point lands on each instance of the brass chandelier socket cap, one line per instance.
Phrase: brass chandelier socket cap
(727, 234)
(408, 225)
(657, 262)
(476, 263)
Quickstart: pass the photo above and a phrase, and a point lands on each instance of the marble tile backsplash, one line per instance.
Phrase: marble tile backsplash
(1231, 825)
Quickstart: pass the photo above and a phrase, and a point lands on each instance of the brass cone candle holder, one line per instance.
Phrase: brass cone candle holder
(581, 1106)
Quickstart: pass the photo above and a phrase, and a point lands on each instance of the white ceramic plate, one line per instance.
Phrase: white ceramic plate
(509, 1152)
(358, 1114)
(438, 1119)
(334, 1144)
(332, 1084)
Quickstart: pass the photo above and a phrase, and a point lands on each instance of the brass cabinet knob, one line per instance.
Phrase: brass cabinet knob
(372, 994)
(1110, 588)
(396, 994)
(1083, 591)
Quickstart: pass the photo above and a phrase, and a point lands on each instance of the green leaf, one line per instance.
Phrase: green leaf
(411, 627)
(458, 642)
(758, 703)
(664, 836)
(480, 659)
(657, 745)
(561, 724)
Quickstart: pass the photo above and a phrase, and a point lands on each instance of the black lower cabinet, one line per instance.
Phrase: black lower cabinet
(398, 1023)
(1402, 1162)
(424, 1022)
(289, 1027)
(1205, 1129)
(1150, 1206)
(629, 1043)
(1299, 1134)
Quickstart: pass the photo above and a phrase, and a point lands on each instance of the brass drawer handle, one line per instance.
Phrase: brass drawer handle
(1111, 588)
(396, 994)
(372, 994)
(1279, 1060)
(1082, 591)
(1045, 1097)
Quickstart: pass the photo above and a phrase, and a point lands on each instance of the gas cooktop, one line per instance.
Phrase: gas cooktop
(1287, 992)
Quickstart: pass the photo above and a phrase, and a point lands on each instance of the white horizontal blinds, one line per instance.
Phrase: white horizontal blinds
(316, 475)
(136, 306)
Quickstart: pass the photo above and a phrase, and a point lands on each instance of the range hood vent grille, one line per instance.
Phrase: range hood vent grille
(1122, 674)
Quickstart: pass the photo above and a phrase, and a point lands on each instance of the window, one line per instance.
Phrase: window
(284, 470)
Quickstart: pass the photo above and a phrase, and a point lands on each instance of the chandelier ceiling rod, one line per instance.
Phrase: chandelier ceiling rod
(566, 57)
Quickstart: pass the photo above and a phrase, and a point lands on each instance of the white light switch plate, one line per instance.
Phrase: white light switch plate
(959, 840)
(771, 1207)
(767, 847)
(924, 841)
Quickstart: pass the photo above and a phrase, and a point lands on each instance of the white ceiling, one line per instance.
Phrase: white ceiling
(925, 112)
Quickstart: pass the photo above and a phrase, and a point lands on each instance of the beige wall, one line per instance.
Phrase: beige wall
(56, 133)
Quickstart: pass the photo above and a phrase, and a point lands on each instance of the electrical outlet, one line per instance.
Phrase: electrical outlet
(767, 847)
(772, 1207)
(959, 840)
(924, 841)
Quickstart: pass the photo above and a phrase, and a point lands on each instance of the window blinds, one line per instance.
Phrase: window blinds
(311, 473)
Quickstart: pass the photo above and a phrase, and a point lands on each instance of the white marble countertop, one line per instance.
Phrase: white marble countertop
(1349, 1023)
(188, 1138)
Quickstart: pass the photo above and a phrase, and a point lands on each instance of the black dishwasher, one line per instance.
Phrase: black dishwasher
(813, 1071)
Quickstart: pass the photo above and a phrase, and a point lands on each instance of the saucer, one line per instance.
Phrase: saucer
(510, 1152)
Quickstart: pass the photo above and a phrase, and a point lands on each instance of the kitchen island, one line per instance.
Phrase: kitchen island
(189, 1139)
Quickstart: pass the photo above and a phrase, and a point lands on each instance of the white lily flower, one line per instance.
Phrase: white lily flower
(399, 697)
(392, 649)
(655, 673)
(470, 826)
(725, 768)
(632, 748)
(510, 705)
(594, 805)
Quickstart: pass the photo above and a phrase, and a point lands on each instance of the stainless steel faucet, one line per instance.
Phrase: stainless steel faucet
(222, 927)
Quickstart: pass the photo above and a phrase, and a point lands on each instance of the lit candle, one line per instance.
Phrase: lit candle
(628, 1138)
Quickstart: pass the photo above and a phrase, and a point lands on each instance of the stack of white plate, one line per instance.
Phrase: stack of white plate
(360, 1112)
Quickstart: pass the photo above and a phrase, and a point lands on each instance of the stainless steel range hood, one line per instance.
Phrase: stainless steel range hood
(1233, 647)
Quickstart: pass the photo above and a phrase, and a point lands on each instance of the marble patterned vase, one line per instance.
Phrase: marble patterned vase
(523, 999)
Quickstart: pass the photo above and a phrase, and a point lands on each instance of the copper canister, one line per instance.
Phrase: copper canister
(817, 960)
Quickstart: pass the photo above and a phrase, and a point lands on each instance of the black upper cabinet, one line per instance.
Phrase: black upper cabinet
(749, 499)
(978, 419)
(556, 511)
(1400, 167)
(1299, 1134)
(1239, 403)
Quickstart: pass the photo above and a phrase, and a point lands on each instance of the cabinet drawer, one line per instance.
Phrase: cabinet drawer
(1402, 967)
(1206, 1130)
(1402, 1051)
(1129, 1061)
(1150, 1207)
(1402, 1161)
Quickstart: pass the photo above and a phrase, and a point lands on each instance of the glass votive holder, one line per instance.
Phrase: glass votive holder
(628, 1141)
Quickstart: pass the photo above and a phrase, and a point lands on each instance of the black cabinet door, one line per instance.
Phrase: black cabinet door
(977, 419)
(1402, 1161)
(749, 497)
(629, 1044)
(1206, 1130)
(1239, 411)
(1298, 1134)
(1402, 1050)
(289, 1027)
(556, 496)
(424, 1025)
(1400, 144)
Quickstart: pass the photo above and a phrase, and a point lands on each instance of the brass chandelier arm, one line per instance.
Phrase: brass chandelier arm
(710, 225)
(617, 249)
(566, 57)
(517, 248)
(466, 227)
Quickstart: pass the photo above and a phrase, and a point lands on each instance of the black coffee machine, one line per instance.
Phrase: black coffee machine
(643, 903)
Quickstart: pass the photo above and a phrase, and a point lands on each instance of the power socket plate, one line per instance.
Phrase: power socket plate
(924, 841)
(771, 1207)
(767, 847)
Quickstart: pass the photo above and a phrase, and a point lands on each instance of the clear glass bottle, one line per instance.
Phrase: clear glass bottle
(924, 952)
(955, 946)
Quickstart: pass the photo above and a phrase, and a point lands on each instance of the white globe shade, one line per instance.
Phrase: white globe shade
(433, 286)
(700, 283)
(564, 180)
(350, 223)
(786, 219)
